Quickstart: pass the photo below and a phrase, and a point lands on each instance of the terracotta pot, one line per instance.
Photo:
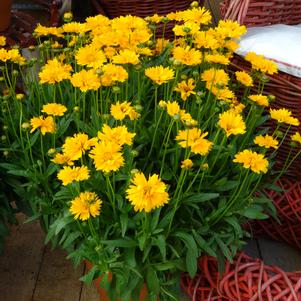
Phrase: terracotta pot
(5, 14)
(102, 292)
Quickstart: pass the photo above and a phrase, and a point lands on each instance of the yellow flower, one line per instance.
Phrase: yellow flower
(284, 116)
(126, 57)
(113, 73)
(90, 56)
(120, 110)
(252, 160)
(62, 159)
(76, 146)
(20, 96)
(259, 62)
(186, 164)
(85, 205)
(54, 72)
(3, 55)
(232, 123)
(120, 135)
(46, 125)
(46, 31)
(206, 39)
(75, 27)
(244, 78)
(260, 99)
(199, 15)
(173, 108)
(146, 195)
(15, 56)
(230, 29)
(159, 74)
(2, 40)
(154, 18)
(70, 174)
(188, 28)
(54, 109)
(187, 56)
(296, 137)
(195, 139)
(214, 77)
(266, 141)
(85, 80)
(223, 94)
(107, 156)
(217, 58)
(186, 88)
(161, 44)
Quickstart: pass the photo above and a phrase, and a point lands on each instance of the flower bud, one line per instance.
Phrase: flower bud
(67, 17)
(116, 89)
(186, 29)
(293, 144)
(5, 153)
(176, 117)
(138, 108)
(279, 134)
(183, 76)
(264, 78)
(20, 96)
(25, 125)
(271, 97)
(15, 72)
(3, 138)
(165, 20)
(51, 152)
(152, 27)
(134, 153)
(176, 63)
(194, 4)
(134, 171)
(5, 128)
(1, 78)
(39, 163)
(31, 47)
(76, 109)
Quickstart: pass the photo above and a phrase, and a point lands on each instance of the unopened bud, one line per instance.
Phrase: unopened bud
(3, 138)
(134, 153)
(116, 89)
(51, 152)
(25, 125)
(194, 4)
(134, 171)
(76, 109)
(5, 153)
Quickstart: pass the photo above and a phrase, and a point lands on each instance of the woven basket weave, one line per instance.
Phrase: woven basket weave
(246, 279)
(286, 88)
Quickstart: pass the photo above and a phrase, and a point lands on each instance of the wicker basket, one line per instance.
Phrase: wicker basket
(286, 88)
(246, 279)
(116, 8)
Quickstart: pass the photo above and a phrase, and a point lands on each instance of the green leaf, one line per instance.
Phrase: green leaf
(160, 242)
(202, 197)
(89, 277)
(229, 185)
(19, 173)
(203, 244)
(223, 248)
(234, 223)
(188, 241)
(253, 213)
(152, 281)
(191, 263)
(71, 238)
(123, 223)
(120, 243)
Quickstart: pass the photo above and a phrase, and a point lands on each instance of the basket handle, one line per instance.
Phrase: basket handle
(98, 6)
(237, 10)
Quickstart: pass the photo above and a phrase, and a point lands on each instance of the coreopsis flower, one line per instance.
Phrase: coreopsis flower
(73, 174)
(113, 73)
(224, 94)
(186, 88)
(217, 58)
(186, 118)
(46, 125)
(41, 31)
(120, 135)
(126, 56)
(214, 77)
(90, 56)
(76, 146)
(230, 29)
(187, 56)
(284, 116)
(147, 194)
(159, 74)
(54, 109)
(236, 106)
(259, 62)
(161, 44)
(252, 160)
(54, 72)
(195, 139)
(62, 159)
(296, 137)
(188, 28)
(206, 39)
(266, 141)
(2, 40)
(120, 110)
(231, 123)
(15, 56)
(86, 80)
(172, 108)
(199, 15)
(154, 18)
(244, 78)
(85, 205)
(3, 55)
(74, 27)
(20, 96)
(107, 156)
(186, 164)
(260, 99)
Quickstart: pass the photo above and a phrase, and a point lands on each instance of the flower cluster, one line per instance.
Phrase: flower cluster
(137, 151)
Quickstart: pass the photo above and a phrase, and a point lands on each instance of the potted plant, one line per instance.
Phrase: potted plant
(135, 152)
(5, 14)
